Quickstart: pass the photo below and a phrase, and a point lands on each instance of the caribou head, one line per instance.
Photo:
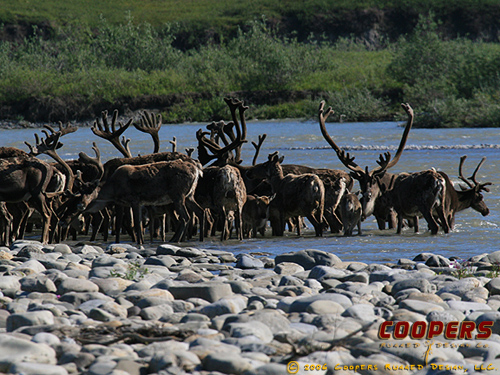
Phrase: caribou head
(474, 187)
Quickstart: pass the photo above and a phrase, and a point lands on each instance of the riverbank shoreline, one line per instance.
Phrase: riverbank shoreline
(167, 309)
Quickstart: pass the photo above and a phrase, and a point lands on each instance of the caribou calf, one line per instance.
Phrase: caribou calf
(153, 184)
(296, 195)
(255, 214)
(350, 212)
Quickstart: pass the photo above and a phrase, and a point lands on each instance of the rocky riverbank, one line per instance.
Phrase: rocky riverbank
(174, 310)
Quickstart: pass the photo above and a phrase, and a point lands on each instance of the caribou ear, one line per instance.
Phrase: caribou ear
(483, 186)
(281, 159)
(381, 185)
(272, 156)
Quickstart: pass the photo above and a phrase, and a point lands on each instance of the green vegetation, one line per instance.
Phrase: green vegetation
(85, 67)
(135, 272)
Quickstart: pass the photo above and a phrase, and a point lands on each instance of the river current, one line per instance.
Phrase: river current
(301, 143)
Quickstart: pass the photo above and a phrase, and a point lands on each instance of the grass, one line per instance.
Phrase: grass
(95, 61)
(218, 14)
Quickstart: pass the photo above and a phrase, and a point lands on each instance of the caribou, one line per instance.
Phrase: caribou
(368, 180)
(246, 196)
(296, 195)
(469, 196)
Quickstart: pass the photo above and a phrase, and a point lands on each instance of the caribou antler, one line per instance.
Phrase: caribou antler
(384, 161)
(344, 157)
(112, 134)
(257, 146)
(409, 110)
(473, 178)
(218, 130)
(173, 142)
(49, 145)
(241, 127)
(151, 125)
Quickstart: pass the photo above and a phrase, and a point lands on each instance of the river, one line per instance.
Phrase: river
(301, 143)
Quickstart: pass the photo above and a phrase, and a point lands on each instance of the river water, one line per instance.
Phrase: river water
(301, 143)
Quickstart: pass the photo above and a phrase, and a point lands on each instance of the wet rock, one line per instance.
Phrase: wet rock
(309, 258)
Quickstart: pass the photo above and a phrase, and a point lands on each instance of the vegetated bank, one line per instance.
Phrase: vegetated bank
(74, 72)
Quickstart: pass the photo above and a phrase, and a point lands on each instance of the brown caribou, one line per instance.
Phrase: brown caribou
(370, 189)
(296, 195)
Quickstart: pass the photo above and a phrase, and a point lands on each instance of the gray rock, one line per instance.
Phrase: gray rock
(27, 368)
(37, 283)
(321, 307)
(246, 261)
(437, 261)
(46, 338)
(16, 350)
(234, 364)
(309, 258)
(359, 277)
(112, 286)
(203, 346)
(102, 367)
(254, 328)
(301, 304)
(422, 257)
(493, 286)
(29, 318)
(76, 285)
(78, 298)
(209, 291)
(10, 284)
(240, 286)
(227, 305)
(187, 252)
(492, 258)
(270, 369)
(491, 316)
(460, 287)
(158, 312)
(421, 284)
(160, 260)
(181, 359)
(31, 251)
(445, 316)
(321, 273)
(62, 248)
(420, 307)
(30, 267)
(362, 312)
(288, 280)
(467, 307)
(288, 268)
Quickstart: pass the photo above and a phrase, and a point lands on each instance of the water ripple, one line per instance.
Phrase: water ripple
(408, 147)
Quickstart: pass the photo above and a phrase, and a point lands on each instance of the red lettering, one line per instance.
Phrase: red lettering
(451, 330)
(485, 332)
(381, 331)
(418, 330)
(401, 334)
(466, 329)
(435, 329)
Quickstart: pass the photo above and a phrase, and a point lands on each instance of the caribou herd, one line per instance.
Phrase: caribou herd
(217, 192)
